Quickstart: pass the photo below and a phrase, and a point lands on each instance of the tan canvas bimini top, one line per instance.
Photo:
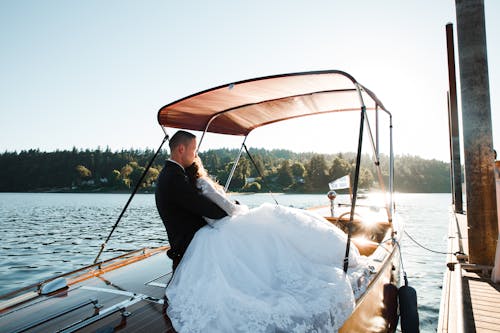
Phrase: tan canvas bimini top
(240, 107)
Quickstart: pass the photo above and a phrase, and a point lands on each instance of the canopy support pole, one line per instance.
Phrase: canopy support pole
(356, 179)
(355, 189)
(103, 245)
(377, 141)
(201, 140)
(391, 170)
(388, 203)
(235, 165)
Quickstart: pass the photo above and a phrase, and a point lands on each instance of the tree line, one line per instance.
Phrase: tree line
(274, 170)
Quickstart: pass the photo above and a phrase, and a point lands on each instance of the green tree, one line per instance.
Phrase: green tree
(365, 178)
(151, 176)
(211, 161)
(252, 187)
(82, 172)
(339, 168)
(34, 170)
(317, 176)
(259, 168)
(126, 171)
(136, 174)
(243, 169)
(284, 175)
(239, 177)
(298, 170)
(114, 178)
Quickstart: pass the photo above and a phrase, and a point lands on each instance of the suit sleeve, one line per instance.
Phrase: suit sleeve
(187, 197)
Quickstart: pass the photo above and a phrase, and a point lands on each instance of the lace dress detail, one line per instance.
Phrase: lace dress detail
(271, 269)
(218, 196)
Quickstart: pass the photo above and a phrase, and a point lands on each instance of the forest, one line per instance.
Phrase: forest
(262, 170)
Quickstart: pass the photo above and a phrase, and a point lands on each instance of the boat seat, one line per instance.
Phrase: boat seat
(365, 246)
(366, 237)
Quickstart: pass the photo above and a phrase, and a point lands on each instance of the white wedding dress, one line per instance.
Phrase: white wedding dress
(267, 269)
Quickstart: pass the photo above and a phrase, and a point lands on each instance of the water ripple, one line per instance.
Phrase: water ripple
(44, 234)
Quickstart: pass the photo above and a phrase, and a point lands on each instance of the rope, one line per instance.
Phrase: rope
(430, 250)
(400, 257)
(405, 277)
(258, 171)
(103, 245)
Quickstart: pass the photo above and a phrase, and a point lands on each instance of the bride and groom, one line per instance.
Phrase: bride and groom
(266, 269)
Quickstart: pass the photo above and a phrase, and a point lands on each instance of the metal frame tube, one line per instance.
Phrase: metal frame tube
(391, 167)
(454, 131)
(391, 170)
(235, 165)
(356, 178)
(206, 130)
(375, 148)
(164, 130)
(388, 203)
(372, 141)
(377, 127)
(355, 188)
(201, 139)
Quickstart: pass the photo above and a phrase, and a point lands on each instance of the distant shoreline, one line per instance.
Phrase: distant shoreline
(100, 171)
(109, 191)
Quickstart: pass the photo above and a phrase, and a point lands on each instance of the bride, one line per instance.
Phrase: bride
(266, 269)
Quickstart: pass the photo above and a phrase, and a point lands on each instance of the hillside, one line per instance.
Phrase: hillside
(277, 170)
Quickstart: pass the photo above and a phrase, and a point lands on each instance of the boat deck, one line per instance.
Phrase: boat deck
(471, 301)
(101, 302)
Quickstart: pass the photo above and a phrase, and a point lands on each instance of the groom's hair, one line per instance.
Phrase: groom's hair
(180, 138)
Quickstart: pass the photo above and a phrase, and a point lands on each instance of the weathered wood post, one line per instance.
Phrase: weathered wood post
(456, 166)
(477, 132)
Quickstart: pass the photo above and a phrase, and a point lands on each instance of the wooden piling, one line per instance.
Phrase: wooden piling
(477, 132)
(456, 166)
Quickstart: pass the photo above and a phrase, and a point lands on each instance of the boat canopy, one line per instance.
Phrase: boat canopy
(240, 107)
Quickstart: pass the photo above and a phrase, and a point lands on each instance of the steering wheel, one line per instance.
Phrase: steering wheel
(349, 213)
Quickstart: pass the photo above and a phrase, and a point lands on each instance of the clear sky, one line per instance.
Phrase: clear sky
(94, 73)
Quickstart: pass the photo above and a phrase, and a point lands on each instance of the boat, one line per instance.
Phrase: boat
(126, 293)
(363, 194)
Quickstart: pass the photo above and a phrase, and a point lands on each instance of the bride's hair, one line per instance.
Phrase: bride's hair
(197, 170)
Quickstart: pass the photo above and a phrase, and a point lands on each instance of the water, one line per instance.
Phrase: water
(44, 234)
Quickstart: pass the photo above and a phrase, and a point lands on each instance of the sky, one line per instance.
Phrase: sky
(94, 73)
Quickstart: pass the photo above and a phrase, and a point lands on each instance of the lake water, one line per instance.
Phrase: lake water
(44, 234)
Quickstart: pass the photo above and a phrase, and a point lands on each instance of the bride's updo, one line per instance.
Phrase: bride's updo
(195, 171)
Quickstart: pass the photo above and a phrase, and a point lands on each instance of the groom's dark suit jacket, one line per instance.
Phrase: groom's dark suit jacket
(181, 207)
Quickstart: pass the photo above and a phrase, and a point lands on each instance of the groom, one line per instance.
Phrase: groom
(179, 203)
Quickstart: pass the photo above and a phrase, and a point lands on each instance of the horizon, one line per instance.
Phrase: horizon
(95, 73)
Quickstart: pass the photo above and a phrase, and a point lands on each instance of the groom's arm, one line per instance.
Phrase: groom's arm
(220, 198)
(190, 199)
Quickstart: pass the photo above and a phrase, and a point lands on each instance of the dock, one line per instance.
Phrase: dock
(470, 300)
